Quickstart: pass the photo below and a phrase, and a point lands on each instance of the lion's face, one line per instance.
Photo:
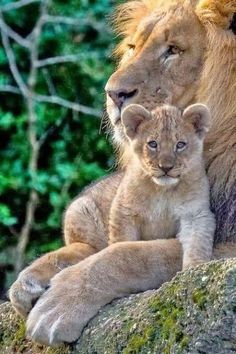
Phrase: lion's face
(167, 141)
(161, 62)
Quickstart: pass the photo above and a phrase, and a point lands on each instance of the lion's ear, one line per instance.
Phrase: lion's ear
(199, 115)
(132, 117)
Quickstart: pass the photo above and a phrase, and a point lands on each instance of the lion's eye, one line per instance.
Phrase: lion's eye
(152, 144)
(181, 145)
(172, 50)
(131, 46)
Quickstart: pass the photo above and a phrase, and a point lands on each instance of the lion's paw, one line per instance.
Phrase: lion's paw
(53, 325)
(25, 291)
(59, 316)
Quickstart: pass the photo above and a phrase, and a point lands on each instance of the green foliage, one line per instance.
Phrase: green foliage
(5, 215)
(73, 152)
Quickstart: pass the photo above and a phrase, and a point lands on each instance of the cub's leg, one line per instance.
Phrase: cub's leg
(196, 237)
(33, 281)
(122, 221)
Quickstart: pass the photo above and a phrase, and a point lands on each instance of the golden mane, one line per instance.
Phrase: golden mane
(216, 12)
(217, 90)
(128, 16)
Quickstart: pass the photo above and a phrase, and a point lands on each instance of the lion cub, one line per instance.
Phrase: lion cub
(165, 191)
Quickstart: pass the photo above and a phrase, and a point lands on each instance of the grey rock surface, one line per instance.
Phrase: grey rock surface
(195, 313)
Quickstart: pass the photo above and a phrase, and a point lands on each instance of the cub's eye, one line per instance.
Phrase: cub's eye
(152, 144)
(180, 146)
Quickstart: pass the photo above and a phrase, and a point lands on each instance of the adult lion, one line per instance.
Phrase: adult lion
(173, 51)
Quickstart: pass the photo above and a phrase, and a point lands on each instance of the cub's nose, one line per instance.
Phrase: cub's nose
(166, 168)
(120, 96)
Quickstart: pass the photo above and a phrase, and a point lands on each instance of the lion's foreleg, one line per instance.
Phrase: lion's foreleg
(78, 292)
(34, 280)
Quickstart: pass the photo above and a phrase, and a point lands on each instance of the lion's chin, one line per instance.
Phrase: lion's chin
(165, 181)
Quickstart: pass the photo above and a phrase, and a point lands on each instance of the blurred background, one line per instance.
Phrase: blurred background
(55, 58)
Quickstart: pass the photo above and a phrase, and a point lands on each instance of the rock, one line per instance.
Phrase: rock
(194, 313)
(12, 335)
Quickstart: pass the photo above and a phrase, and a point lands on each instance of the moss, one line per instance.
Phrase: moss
(19, 337)
(167, 318)
(13, 339)
(62, 350)
(184, 342)
(200, 297)
(165, 325)
(137, 341)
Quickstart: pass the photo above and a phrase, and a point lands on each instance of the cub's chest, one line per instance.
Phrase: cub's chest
(158, 219)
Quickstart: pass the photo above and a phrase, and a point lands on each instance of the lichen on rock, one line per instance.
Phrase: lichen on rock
(194, 313)
(13, 335)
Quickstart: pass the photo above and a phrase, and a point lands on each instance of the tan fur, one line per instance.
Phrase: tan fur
(153, 203)
(85, 232)
(152, 29)
(34, 280)
(212, 47)
(207, 75)
(216, 12)
(218, 92)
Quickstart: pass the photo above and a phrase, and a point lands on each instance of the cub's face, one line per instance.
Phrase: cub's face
(167, 141)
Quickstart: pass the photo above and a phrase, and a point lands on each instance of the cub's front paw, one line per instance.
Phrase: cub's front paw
(25, 291)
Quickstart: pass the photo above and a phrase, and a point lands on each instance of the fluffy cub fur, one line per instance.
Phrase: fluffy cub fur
(165, 190)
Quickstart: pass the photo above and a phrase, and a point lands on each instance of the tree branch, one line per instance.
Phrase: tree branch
(51, 87)
(72, 58)
(17, 5)
(56, 100)
(58, 60)
(12, 61)
(10, 89)
(12, 34)
(34, 144)
(77, 22)
(52, 129)
(64, 20)
(68, 104)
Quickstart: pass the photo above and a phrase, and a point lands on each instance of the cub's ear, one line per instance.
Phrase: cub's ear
(199, 115)
(131, 118)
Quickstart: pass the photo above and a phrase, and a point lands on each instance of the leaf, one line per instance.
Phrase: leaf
(5, 216)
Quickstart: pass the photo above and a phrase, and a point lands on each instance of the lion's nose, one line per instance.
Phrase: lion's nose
(120, 96)
(166, 167)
